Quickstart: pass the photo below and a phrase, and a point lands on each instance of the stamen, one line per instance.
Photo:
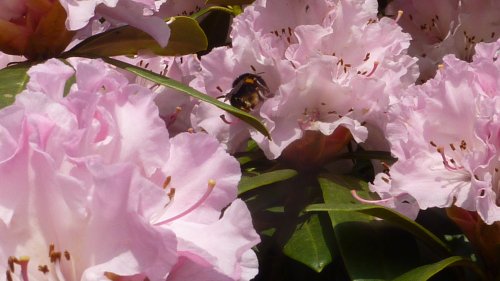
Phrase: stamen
(362, 200)
(223, 117)
(167, 182)
(447, 165)
(210, 187)
(173, 116)
(8, 276)
(375, 65)
(398, 17)
(23, 262)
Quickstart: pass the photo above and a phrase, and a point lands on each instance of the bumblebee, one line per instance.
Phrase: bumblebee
(248, 91)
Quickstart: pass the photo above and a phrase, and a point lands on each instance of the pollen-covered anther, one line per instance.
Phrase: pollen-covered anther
(211, 183)
(167, 182)
(55, 256)
(171, 193)
(463, 145)
(67, 256)
(43, 268)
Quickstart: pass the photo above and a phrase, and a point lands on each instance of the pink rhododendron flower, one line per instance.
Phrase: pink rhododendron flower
(445, 135)
(219, 69)
(93, 188)
(329, 65)
(446, 27)
(137, 13)
(175, 107)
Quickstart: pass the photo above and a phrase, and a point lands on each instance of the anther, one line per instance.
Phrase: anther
(433, 144)
(11, 262)
(171, 193)
(167, 182)
(43, 268)
(55, 256)
(67, 256)
(463, 145)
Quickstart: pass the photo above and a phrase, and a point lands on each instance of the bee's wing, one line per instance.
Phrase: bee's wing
(236, 88)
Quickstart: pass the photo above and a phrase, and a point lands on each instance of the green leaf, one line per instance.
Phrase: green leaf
(249, 183)
(186, 37)
(171, 83)
(425, 272)
(229, 2)
(13, 80)
(389, 215)
(371, 249)
(309, 245)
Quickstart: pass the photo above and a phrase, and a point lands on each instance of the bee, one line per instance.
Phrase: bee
(248, 91)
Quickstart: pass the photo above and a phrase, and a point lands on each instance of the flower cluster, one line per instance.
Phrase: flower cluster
(446, 27)
(445, 135)
(94, 188)
(328, 65)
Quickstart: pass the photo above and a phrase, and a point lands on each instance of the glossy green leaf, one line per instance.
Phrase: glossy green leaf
(371, 249)
(171, 83)
(309, 245)
(13, 80)
(425, 272)
(389, 215)
(249, 183)
(186, 37)
(229, 2)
